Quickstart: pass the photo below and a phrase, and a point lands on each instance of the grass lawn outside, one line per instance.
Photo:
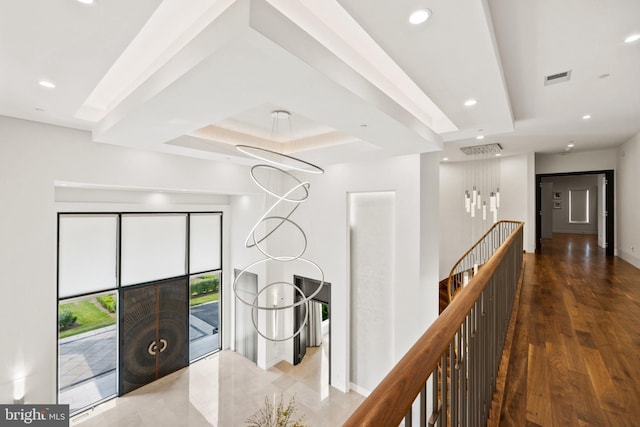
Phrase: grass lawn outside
(89, 317)
(201, 299)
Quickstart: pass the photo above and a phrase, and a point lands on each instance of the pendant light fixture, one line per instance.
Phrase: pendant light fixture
(482, 187)
(288, 192)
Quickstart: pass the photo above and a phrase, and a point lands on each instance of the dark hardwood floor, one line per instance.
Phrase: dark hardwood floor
(575, 358)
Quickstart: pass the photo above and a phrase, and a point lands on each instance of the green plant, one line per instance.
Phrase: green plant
(65, 319)
(276, 415)
(108, 302)
(202, 299)
(89, 317)
(205, 285)
(325, 312)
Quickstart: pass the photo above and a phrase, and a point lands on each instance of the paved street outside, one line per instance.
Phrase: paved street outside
(203, 333)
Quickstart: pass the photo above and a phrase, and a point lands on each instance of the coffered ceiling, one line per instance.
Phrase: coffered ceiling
(197, 77)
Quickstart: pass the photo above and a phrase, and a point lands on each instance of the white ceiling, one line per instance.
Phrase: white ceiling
(195, 78)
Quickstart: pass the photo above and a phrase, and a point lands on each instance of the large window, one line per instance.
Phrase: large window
(87, 252)
(87, 308)
(579, 206)
(153, 247)
(205, 231)
(98, 254)
(204, 314)
(87, 349)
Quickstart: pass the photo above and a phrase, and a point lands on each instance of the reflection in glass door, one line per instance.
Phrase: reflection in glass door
(246, 336)
(87, 350)
(204, 314)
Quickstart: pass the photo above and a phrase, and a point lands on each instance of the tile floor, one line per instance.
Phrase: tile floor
(224, 390)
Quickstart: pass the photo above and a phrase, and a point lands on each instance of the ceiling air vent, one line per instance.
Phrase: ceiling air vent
(552, 79)
(482, 149)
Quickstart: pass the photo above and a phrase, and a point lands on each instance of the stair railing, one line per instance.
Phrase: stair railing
(448, 377)
(472, 260)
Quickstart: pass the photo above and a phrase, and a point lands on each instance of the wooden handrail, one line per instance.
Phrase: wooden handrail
(390, 401)
(471, 249)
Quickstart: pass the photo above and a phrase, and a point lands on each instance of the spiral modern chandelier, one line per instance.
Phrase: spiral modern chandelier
(287, 200)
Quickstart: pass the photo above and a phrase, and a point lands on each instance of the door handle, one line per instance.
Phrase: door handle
(152, 348)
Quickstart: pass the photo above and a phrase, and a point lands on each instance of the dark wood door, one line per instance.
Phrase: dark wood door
(300, 340)
(153, 332)
(173, 336)
(138, 332)
(308, 286)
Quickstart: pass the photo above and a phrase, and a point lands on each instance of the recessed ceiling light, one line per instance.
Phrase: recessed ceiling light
(498, 154)
(419, 16)
(480, 137)
(470, 102)
(47, 84)
(445, 159)
(570, 145)
(586, 117)
(632, 38)
(86, 1)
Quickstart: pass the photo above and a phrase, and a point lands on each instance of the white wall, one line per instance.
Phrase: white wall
(517, 202)
(562, 185)
(32, 157)
(372, 252)
(451, 217)
(429, 237)
(628, 201)
(326, 223)
(580, 161)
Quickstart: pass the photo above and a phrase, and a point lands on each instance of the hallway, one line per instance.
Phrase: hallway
(575, 358)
